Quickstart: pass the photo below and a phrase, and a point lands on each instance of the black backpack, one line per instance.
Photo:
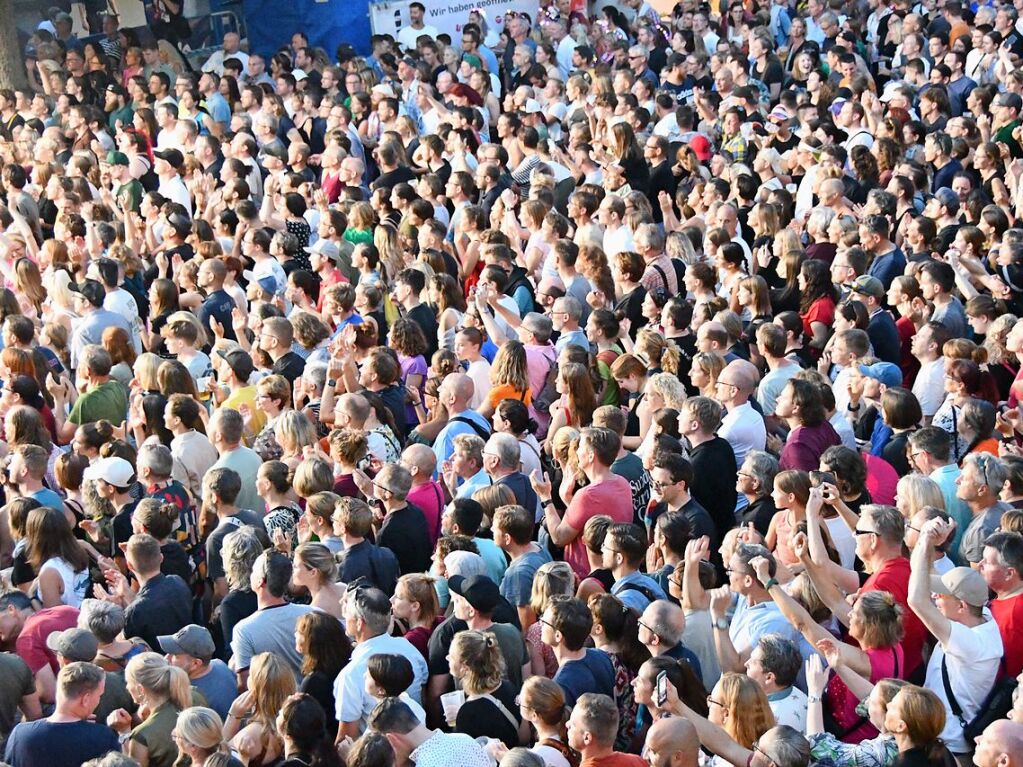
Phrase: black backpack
(996, 705)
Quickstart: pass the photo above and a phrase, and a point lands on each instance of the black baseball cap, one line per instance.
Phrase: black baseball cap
(478, 590)
(92, 290)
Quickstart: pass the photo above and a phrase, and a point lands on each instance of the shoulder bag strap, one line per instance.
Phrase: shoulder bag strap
(664, 277)
(957, 711)
(501, 707)
(895, 658)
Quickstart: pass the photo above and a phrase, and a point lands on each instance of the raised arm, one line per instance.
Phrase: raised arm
(712, 737)
(846, 580)
(694, 596)
(728, 657)
(933, 532)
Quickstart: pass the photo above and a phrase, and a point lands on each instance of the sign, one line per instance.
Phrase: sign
(447, 16)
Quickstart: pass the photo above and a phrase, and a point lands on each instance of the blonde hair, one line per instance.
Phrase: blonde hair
(146, 367)
(481, 659)
(919, 491)
(552, 579)
(493, 497)
(749, 713)
(202, 728)
(271, 681)
(710, 363)
(59, 285)
(669, 387)
(658, 351)
(294, 431)
(510, 367)
(155, 674)
(183, 316)
(276, 387)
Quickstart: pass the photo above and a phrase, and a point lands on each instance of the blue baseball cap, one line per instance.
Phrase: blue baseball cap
(885, 372)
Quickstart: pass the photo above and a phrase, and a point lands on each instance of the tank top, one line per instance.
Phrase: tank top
(75, 584)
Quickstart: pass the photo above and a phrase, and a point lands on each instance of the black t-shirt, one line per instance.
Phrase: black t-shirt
(290, 366)
(425, 318)
(484, 718)
(394, 177)
(772, 73)
(184, 250)
(321, 687)
(760, 513)
(405, 533)
(215, 543)
(394, 400)
(374, 564)
(714, 482)
(235, 607)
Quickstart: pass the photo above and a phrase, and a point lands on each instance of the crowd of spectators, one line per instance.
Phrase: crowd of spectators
(594, 389)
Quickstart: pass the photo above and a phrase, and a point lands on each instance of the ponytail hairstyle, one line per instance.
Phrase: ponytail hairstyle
(546, 699)
(552, 579)
(157, 518)
(621, 626)
(305, 725)
(420, 587)
(156, 675)
(515, 413)
(658, 351)
(481, 659)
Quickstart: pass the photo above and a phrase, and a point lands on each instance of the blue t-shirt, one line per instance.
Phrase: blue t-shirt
(517, 584)
(219, 686)
(48, 497)
(591, 673)
(58, 744)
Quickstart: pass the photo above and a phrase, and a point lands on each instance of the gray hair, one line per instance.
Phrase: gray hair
(820, 220)
(788, 747)
(763, 466)
(650, 236)
(888, 522)
(372, 607)
(104, 619)
(156, 458)
(780, 656)
(571, 306)
(316, 374)
(990, 468)
(507, 449)
(240, 551)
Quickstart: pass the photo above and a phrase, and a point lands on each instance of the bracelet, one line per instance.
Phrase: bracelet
(770, 582)
(331, 382)
(813, 698)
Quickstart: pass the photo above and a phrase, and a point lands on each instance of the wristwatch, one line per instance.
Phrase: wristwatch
(721, 624)
(770, 582)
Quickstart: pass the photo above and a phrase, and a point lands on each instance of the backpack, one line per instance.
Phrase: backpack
(644, 590)
(996, 705)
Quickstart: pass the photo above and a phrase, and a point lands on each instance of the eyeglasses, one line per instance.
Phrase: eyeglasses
(731, 570)
(725, 383)
(767, 756)
(857, 531)
(648, 628)
(383, 487)
(545, 622)
(661, 485)
(711, 701)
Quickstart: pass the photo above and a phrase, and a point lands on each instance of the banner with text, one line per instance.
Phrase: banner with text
(390, 16)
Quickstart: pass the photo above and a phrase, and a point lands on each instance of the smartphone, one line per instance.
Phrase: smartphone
(818, 478)
(661, 691)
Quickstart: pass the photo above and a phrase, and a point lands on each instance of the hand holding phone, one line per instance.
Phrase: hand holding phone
(661, 690)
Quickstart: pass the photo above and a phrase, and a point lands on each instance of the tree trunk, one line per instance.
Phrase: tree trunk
(12, 64)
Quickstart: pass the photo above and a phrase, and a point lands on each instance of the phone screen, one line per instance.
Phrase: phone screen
(662, 688)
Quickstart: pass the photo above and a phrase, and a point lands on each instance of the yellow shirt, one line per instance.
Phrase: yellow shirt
(247, 396)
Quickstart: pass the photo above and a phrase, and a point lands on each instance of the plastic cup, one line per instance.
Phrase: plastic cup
(451, 702)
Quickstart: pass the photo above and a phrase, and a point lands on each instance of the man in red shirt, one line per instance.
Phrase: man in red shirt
(607, 493)
(592, 729)
(28, 630)
(1001, 567)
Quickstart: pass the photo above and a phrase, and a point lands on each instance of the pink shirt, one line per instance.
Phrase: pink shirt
(430, 498)
(613, 497)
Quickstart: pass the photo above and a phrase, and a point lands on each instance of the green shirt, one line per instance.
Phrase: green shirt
(1004, 135)
(125, 115)
(129, 196)
(107, 401)
(155, 735)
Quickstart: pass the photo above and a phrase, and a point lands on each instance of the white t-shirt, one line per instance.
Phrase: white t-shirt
(744, 429)
(174, 189)
(617, 241)
(972, 656)
(122, 302)
(929, 386)
(844, 541)
(408, 36)
(791, 709)
(479, 372)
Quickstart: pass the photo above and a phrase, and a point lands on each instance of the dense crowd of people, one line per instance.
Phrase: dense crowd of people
(611, 390)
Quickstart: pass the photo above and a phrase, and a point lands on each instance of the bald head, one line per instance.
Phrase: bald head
(666, 622)
(421, 462)
(672, 742)
(742, 374)
(455, 392)
(1000, 745)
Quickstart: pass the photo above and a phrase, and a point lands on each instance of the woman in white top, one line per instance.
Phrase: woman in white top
(61, 564)
(447, 296)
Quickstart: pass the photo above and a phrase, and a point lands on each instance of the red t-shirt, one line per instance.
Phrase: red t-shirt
(615, 759)
(893, 577)
(1008, 614)
(908, 361)
(613, 497)
(822, 310)
(31, 642)
(430, 499)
